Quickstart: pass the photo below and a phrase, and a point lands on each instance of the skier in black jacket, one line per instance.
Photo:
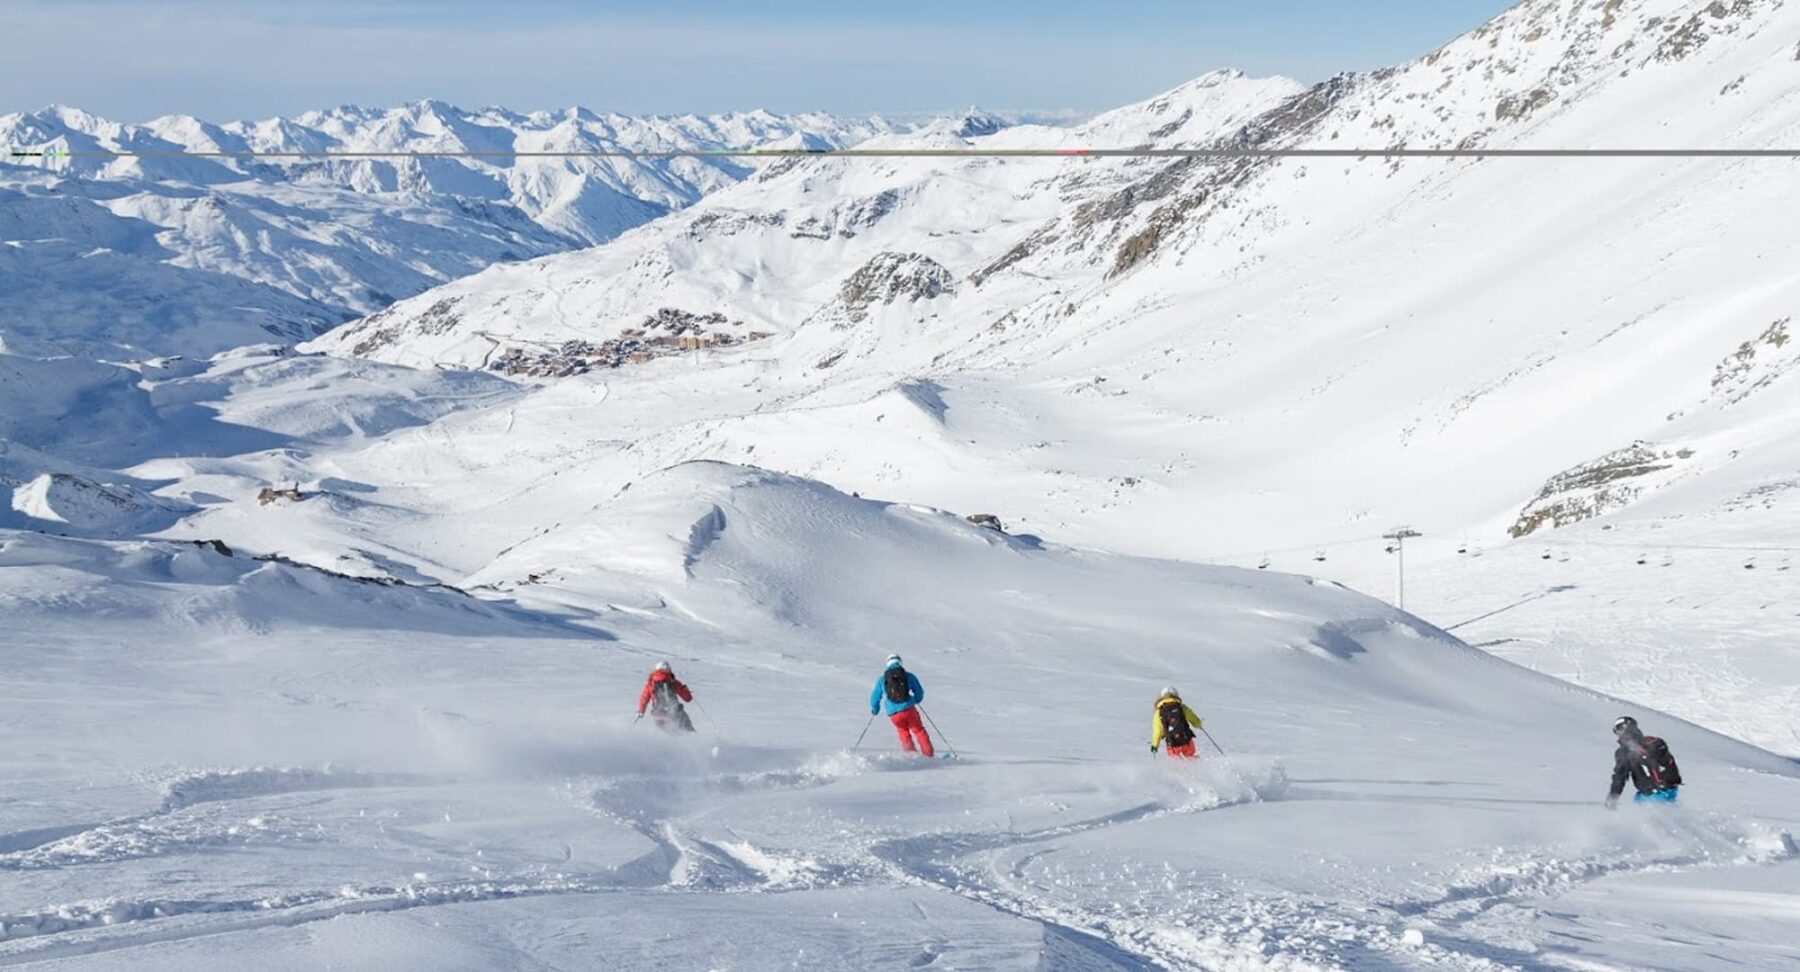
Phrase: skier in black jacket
(1646, 761)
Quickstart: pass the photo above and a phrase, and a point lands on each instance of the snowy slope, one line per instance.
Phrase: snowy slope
(163, 255)
(455, 783)
(1268, 360)
(781, 249)
(326, 657)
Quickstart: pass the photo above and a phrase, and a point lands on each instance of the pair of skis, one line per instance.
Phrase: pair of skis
(698, 705)
(949, 750)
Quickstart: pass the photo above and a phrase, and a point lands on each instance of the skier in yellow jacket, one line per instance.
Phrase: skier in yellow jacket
(1174, 723)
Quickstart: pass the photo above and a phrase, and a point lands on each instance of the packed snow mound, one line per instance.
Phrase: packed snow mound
(206, 587)
(749, 550)
(87, 448)
(62, 502)
(656, 528)
(313, 398)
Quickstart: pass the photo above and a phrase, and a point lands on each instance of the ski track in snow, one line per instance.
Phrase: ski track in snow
(163, 830)
(1212, 928)
(1127, 359)
(245, 914)
(57, 932)
(682, 863)
(969, 865)
(1227, 930)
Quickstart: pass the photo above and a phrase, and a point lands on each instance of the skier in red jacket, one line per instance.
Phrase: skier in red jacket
(663, 694)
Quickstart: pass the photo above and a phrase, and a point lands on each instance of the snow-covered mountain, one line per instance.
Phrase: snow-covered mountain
(331, 659)
(1263, 360)
(165, 254)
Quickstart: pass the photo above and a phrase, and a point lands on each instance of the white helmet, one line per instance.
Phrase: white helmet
(893, 660)
(663, 667)
(1169, 692)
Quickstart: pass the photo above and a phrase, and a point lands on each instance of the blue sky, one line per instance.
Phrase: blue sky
(135, 59)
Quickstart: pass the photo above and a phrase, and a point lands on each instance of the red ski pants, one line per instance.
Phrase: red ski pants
(909, 726)
(1182, 752)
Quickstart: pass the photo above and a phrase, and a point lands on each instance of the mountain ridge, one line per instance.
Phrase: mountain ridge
(301, 244)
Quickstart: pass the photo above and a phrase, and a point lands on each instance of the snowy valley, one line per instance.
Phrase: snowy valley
(322, 639)
(171, 251)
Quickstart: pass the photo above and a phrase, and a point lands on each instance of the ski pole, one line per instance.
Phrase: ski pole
(860, 735)
(1214, 742)
(634, 722)
(709, 719)
(940, 732)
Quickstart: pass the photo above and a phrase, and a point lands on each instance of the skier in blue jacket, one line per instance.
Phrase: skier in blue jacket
(898, 693)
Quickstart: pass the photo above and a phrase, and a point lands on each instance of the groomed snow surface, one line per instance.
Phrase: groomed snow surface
(217, 762)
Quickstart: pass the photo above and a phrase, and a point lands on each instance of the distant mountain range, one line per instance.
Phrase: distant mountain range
(161, 255)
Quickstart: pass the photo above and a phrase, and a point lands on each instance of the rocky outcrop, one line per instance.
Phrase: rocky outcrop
(390, 327)
(986, 521)
(1756, 363)
(846, 221)
(886, 279)
(1597, 487)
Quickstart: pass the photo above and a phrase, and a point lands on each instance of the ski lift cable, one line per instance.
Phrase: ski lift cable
(1266, 554)
(1306, 548)
(1074, 152)
(1665, 546)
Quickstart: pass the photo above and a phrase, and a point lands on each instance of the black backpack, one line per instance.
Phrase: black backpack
(897, 688)
(1174, 723)
(1656, 752)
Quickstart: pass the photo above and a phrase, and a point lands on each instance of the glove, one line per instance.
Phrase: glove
(874, 712)
(1612, 802)
(1153, 747)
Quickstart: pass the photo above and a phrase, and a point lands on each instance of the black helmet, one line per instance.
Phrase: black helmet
(1625, 727)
